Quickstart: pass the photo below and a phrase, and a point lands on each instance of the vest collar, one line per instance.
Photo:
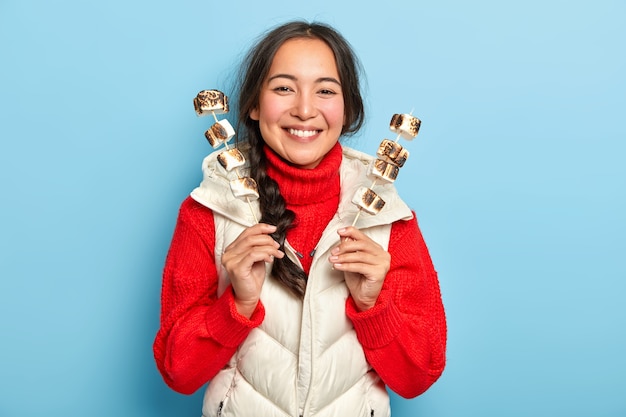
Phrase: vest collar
(214, 192)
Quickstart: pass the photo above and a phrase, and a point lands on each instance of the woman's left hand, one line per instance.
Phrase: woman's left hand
(364, 263)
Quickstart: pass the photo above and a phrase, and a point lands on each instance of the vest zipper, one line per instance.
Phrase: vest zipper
(219, 409)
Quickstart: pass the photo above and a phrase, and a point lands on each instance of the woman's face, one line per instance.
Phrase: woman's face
(301, 108)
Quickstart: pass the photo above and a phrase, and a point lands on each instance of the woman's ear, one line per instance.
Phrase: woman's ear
(254, 113)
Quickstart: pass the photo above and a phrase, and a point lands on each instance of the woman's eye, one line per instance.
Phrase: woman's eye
(282, 89)
(327, 92)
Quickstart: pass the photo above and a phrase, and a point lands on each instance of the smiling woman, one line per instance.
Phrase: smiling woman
(300, 313)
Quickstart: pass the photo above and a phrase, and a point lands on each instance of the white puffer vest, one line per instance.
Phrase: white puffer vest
(304, 359)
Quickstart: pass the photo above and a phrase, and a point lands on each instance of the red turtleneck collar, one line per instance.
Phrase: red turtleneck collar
(302, 186)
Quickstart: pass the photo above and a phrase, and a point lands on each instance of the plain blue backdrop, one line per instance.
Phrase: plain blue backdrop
(518, 179)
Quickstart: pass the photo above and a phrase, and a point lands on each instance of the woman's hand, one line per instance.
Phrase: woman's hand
(244, 260)
(365, 264)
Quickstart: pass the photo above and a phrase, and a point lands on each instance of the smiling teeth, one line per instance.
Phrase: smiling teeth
(303, 133)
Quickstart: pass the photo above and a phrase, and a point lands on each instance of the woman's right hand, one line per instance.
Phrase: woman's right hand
(244, 260)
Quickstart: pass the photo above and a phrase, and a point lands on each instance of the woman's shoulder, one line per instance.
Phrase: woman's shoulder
(190, 208)
(354, 154)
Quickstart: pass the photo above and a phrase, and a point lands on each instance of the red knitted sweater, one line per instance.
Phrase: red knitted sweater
(403, 335)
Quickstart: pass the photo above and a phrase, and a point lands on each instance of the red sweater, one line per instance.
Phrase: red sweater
(403, 335)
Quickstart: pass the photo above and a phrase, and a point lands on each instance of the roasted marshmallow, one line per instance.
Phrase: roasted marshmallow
(405, 125)
(392, 152)
(210, 102)
(368, 200)
(244, 188)
(219, 133)
(231, 159)
(379, 169)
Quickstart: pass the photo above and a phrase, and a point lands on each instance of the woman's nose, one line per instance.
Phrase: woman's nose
(304, 106)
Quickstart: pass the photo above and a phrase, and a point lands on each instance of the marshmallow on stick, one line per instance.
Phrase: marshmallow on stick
(220, 133)
(368, 200)
(382, 170)
(231, 159)
(215, 102)
(210, 102)
(391, 157)
(405, 125)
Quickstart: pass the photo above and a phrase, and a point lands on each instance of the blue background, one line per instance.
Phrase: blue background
(518, 178)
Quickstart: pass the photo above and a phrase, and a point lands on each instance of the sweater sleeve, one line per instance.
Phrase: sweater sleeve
(199, 332)
(404, 334)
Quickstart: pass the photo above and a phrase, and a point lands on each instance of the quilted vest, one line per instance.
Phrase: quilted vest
(304, 360)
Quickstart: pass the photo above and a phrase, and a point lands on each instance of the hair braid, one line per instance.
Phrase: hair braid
(275, 212)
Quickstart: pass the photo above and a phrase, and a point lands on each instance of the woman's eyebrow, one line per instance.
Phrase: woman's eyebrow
(294, 78)
(287, 76)
(328, 79)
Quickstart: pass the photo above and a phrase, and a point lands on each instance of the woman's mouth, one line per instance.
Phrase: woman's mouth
(303, 133)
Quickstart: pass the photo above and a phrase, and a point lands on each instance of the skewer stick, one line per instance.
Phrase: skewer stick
(358, 214)
(256, 220)
(356, 218)
(251, 209)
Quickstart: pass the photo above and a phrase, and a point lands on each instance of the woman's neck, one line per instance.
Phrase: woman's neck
(306, 186)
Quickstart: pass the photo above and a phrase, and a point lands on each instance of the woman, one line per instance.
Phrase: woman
(299, 314)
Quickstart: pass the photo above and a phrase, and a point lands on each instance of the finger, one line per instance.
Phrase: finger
(246, 241)
(258, 230)
(362, 265)
(361, 270)
(353, 258)
(366, 263)
(350, 232)
(245, 259)
(244, 244)
(364, 248)
(354, 239)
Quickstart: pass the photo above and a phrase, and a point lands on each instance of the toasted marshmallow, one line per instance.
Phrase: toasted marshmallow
(244, 188)
(219, 133)
(380, 169)
(231, 159)
(210, 101)
(368, 200)
(405, 125)
(392, 152)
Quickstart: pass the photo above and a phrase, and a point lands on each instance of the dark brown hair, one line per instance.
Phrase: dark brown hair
(254, 70)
